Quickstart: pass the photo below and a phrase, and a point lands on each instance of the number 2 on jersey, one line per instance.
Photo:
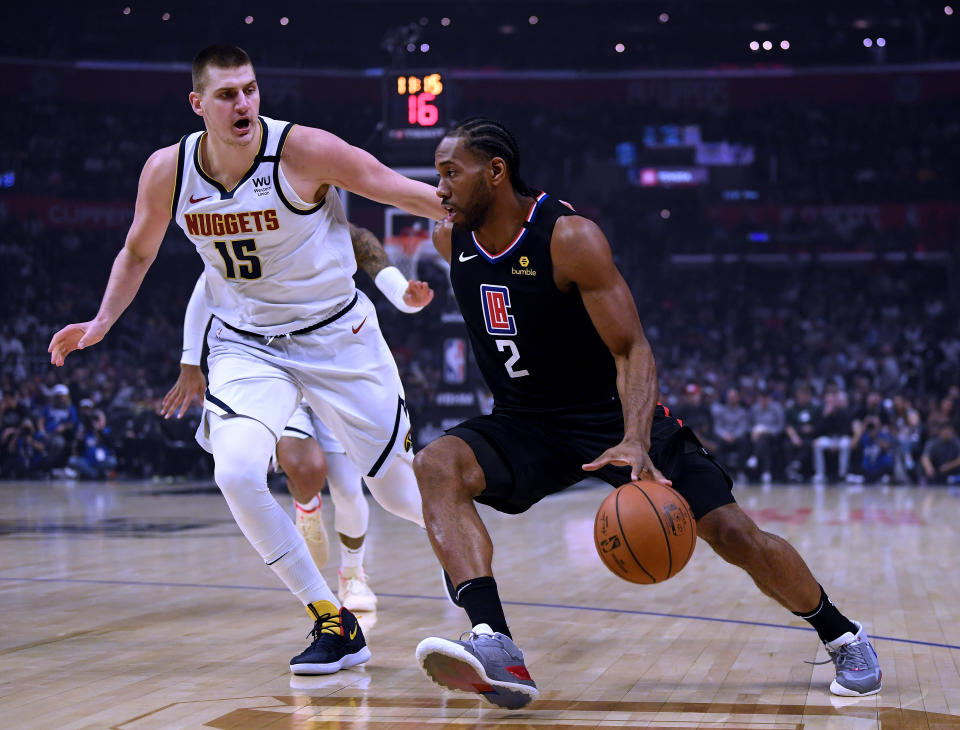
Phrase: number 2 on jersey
(247, 264)
(512, 360)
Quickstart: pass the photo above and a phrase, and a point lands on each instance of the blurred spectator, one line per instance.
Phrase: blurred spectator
(731, 426)
(59, 421)
(24, 451)
(802, 421)
(875, 446)
(696, 414)
(833, 434)
(767, 424)
(94, 458)
(941, 457)
(905, 426)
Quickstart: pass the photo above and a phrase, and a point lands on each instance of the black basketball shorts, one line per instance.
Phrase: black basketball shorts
(526, 457)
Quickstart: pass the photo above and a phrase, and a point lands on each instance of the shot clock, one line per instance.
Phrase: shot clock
(414, 106)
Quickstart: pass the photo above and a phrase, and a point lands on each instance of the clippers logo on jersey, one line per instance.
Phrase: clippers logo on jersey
(496, 310)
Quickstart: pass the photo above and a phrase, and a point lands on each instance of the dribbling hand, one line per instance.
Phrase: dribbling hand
(632, 455)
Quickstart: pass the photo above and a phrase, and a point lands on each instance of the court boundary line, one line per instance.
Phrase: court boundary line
(527, 604)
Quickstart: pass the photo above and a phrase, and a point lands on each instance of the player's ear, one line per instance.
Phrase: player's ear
(498, 171)
(194, 99)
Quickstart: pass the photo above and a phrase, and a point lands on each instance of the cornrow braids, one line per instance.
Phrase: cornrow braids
(494, 140)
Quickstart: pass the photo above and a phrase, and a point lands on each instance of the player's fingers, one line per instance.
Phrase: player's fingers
(654, 474)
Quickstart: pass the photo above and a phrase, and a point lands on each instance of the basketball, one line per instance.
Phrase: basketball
(645, 532)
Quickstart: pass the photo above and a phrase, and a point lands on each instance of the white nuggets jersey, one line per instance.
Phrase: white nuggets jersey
(274, 263)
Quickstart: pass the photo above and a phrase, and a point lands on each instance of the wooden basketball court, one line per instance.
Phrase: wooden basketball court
(140, 605)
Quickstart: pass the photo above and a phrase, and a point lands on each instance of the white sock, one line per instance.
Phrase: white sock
(351, 560)
(310, 506)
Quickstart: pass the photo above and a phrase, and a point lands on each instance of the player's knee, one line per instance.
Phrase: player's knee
(445, 466)
(238, 474)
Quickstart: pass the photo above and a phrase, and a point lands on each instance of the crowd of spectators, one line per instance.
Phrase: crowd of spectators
(793, 372)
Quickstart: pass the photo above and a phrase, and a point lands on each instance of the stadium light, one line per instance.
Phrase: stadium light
(664, 17)
(126, 10)
(619, 48)
(767, 45)
(947, 10)
(284, 20)
(754, 46)
(445, 22)
(248, 20)
(881, 42)
(424, 47)
(165, 16)
(533, 20)
(785, 45)
(867, 42)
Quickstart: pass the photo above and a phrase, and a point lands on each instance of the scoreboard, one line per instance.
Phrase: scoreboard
(415, 107)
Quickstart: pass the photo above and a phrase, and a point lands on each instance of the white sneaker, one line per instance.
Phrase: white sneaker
(310, 525)
(355, 593)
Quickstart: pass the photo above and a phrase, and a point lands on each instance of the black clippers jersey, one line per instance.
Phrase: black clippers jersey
(535, 345)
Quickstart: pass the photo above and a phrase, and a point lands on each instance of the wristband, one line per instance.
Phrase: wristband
(394, 284)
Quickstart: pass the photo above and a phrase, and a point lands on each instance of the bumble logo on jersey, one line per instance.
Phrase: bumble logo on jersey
(524, 270)
(230, 224)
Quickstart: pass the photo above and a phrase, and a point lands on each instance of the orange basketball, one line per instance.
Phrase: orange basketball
(645, 532)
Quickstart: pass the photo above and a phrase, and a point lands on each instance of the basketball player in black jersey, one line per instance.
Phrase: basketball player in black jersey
(558, 339)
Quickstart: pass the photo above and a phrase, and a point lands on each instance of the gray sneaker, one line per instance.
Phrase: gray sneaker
(482, 661)
(858, 669)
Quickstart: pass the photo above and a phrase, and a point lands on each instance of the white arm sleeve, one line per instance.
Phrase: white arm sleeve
(394, 284)
(194, 323)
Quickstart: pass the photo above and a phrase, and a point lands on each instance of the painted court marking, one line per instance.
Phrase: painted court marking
(529, 604)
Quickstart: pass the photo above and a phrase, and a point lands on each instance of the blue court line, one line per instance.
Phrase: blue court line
(413, 596)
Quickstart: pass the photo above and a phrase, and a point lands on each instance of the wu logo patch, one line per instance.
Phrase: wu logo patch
(261, 185)
(496, 310)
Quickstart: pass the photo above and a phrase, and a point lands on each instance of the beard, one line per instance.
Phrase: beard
(481, 198)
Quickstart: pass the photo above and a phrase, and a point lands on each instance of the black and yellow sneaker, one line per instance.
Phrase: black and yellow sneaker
(338, 642)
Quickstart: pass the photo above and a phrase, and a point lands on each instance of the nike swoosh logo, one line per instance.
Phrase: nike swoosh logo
(353, 634)
(467, 258)
(357, 328)
(197, 200)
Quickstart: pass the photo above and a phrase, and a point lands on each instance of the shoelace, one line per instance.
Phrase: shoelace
(356, 585)
(328, 623)
(848, 656)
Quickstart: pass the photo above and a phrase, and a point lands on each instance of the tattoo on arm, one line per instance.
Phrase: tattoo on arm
(371, 256)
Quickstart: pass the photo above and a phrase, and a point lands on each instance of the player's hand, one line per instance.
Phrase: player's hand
(418, 294)
(190, 384)
(75, 337)
(633, 455)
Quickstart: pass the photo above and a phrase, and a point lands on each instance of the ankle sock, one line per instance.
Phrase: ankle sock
(481, 601)
(827, 621)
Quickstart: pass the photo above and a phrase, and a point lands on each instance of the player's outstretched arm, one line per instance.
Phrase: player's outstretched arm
(150, 219)
(327, 159)
(582, 257)
(407, 296)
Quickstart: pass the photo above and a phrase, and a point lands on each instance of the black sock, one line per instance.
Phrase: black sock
(827, 621)
(480, 600)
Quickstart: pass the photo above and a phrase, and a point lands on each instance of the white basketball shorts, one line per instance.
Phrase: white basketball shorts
(343, 370)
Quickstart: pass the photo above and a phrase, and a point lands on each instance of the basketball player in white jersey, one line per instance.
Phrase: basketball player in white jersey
(307, 452)
(251, 193)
